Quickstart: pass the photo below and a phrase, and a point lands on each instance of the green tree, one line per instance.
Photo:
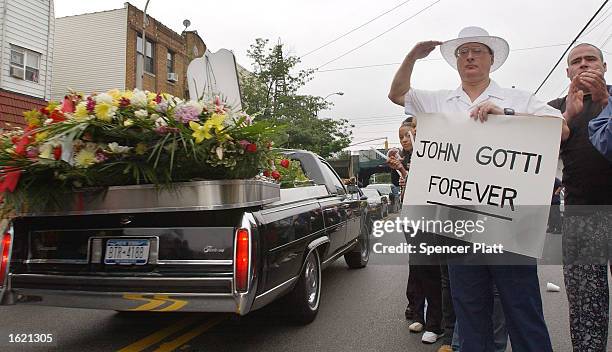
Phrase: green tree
(271, 92)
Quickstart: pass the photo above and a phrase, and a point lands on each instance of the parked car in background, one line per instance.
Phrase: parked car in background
(387, 189)
(378, 204)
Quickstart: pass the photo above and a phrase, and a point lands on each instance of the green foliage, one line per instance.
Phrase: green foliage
(271, 93)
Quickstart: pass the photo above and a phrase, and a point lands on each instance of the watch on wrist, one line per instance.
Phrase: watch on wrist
(508, 111)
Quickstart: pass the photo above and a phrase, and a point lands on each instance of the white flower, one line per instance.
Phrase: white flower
(48, 122)
(115, 148)
(142, 113)
(161, 122)
(128, 123)
(219, 152)
(46, 151)
(104, 98)
(139, 99)
(154, 116)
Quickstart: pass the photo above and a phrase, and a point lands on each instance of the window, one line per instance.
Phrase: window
(149, 62)
(170, 62)
(25, 64)
(333, 176)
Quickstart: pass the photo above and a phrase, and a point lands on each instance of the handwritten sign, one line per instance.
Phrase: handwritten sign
(499, 173)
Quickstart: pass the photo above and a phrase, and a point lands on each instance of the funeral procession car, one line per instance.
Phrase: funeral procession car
(216, 246)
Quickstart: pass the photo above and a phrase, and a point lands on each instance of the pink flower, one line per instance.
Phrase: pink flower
(190, 111)
(244, 143)
(100, 156)
(68, 105)
(91, 104)
(166, 130)
(32, 152)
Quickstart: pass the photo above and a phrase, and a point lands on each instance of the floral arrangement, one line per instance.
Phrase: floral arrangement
(288, 173)
(127, 137)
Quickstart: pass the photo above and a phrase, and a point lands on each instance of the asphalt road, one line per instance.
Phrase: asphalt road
(361, 310)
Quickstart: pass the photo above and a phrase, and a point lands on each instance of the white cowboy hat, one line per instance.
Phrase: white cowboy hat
(498, 45)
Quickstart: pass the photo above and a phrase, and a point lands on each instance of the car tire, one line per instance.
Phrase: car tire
(358, 258)
(303, 301)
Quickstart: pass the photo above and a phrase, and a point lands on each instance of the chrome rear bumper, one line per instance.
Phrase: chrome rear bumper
(149, 301)
(154, 294)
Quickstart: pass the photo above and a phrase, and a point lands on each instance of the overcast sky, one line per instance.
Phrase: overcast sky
(306, 25)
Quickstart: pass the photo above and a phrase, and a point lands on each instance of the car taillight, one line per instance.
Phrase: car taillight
(242, 260)
(4, 247)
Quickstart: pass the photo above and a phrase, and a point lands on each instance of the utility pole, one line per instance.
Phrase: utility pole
(141, 60)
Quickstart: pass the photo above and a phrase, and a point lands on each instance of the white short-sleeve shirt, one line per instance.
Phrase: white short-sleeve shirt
(424, 101)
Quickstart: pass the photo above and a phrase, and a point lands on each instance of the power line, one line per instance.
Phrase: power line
(385, 131)
(569, 46)
(354, 29)
(602, 19)
(380, 35)
(436, 59)
(374, 117)
(568, 84)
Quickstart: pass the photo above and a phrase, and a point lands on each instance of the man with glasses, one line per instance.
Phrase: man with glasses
(475, 54)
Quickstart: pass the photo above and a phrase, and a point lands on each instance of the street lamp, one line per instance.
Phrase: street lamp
(336, 93)
(324, 99)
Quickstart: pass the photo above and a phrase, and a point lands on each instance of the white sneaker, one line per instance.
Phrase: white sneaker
(430, 337)
(415, 327)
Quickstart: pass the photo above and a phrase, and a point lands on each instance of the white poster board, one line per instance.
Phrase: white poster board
(215, 74)
(500, 173)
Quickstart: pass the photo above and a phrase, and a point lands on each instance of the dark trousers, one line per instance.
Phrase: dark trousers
(424, 284)
(414, 291)
(518, 285)
(448, 312)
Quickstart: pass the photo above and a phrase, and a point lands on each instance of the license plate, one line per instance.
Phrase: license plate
(127, 252)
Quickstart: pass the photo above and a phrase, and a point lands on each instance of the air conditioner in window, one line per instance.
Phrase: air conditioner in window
(16, 72)
(172, 77)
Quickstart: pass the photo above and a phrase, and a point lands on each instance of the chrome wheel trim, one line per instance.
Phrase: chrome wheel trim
(364, 241)
(312, 277)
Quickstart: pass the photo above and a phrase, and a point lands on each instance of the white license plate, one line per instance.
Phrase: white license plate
(127, 252)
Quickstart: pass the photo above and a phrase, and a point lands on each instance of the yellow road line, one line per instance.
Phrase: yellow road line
(183, 339)
(178, 304)
(150, 305)
(160, 335)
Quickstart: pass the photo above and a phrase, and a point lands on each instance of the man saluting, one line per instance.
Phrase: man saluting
(475, 54)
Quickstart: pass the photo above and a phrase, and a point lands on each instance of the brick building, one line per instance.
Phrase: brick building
(26, 57)
(110, 59)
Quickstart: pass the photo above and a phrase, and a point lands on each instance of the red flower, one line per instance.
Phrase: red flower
(57, 116)
(57, 152)
(284, 163)
(44, 111)
(158, 98)
(10, 179)
(266, 173)
(22, 144)
(68, 105)
(276, 175)
(124, 102)
(251, 148)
